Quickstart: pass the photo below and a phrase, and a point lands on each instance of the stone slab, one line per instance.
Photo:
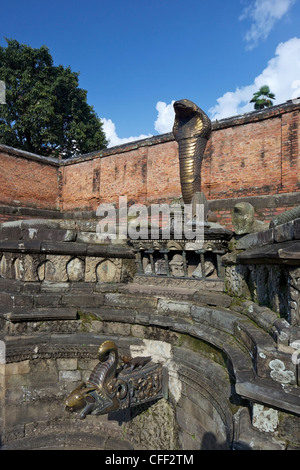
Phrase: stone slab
(217, 318)
(260, 391)
(41, 314)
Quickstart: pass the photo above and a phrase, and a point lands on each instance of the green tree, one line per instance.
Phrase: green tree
(262, 98)
(45, 112)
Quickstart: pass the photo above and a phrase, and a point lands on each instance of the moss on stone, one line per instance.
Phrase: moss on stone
(202, 347)
(86, 320)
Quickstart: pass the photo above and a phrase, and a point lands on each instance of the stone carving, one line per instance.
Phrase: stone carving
(286, 216)
(243, 219)
(176, 266)
(110, 389)
(209, 268)
(161, 267)
(75, 269)
(191, 130)
(107, 271)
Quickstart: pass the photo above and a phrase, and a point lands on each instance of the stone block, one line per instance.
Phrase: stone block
(17, 368)
(297, 229)
(220, 319)
(129, 301)
(168, 307)
(23, 301)
(41, 314)
(284, 232)
(56, 268)
(75, 269)
(217, 299)
(69, 375)
(91, 263)
(11, 230)
(188, 442)
(82, 300)
(6, 301)
(247, 241)
(265, 237)
(138, 331)
(109, 271)
(89, 237)
(55, 287)
(55, 235)
(118, 329)
(62, 248)
(26, 268)
(67, 364)
(46, 300)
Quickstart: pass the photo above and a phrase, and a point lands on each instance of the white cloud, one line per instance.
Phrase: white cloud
(282, 75)
(165, 118)
(264, 14)
(109, 129)
(163, 124)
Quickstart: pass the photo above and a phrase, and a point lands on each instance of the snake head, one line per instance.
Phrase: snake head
(105, 349)
(190, 120)
(77, 399)
(185, 108)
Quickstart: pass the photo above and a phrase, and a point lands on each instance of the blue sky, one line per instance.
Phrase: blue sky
(136, 57)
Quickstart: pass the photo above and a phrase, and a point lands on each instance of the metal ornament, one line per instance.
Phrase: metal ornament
(108, 389)
(191, 130)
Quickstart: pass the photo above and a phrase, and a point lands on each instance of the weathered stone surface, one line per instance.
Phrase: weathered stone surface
(123, 300)
(26, 268)
(108, 271)
(284, 232)
(75, 269)
(90, 268)
(40, 314)
(248, 437)
(56, 268)
(67, 364)
(82, 300)
(296, 224)
(220, 319)
(243, 219)
(212, 298)
(168, 307)
(55, 235)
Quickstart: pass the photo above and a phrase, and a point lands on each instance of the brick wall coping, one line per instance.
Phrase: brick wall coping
(254, 116)
(29, 156)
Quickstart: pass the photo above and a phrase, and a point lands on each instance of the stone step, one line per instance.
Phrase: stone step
(215, 284)
(197, 295)
(41, 314)
(164, 291)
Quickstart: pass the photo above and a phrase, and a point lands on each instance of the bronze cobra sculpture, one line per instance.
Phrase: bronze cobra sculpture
(110, 389)
(98, 387)
(191, 130)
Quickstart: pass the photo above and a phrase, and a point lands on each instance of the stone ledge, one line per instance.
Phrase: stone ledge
(287, 253)
(287, 232)
(41, 314)
(270, 394)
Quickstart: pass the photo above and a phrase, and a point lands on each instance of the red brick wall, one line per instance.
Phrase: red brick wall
(252, 155)
(144, 174)
(243, 160)
(27, 180)
(249, 155)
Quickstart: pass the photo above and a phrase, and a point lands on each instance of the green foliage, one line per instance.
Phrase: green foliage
(262, 98)
(45, 112)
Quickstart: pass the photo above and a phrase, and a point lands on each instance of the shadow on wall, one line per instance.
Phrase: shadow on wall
(209, 442)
